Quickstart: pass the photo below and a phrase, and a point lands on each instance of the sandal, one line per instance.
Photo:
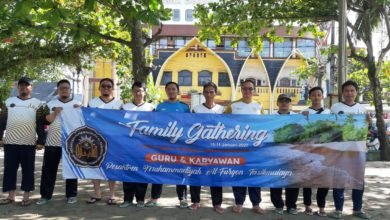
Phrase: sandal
(26, 202)
(6, 201)
(194, 206)
(218, 209)
(237, 209)
(111, 202)
(151, 204)
(93, 200)
(258, 210)
(308, 211)
(321, 213)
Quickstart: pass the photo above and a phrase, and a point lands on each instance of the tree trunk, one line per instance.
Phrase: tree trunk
(380, 123)
(140, 67)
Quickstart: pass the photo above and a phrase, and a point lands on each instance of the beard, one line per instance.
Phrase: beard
(23, 94)
(105, 95)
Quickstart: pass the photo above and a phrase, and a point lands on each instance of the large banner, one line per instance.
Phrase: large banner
(215, 150)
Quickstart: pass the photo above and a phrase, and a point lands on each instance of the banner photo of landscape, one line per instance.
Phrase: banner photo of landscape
(215, 150)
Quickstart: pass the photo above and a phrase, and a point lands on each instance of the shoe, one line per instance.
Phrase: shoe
(321, 213)
(194, 206)
(111, 202)
(183, 204)
(93, 200)
(151, 204)
(42, 201)
(26, 202)
(237, 209)
(279, 211)
(125, 204)
(308, 211)
(337, 215)
(361, 214)
(71, 200)
(218, 209)
(258, 210)
(6, 201)
(140, 204)
(292, 211)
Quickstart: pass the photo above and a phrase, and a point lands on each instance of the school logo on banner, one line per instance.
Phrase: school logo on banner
(86, 147)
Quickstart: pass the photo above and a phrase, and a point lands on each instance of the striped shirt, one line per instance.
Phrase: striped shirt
(22, 119)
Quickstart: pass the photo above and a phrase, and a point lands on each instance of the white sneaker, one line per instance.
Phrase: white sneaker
(71, 200)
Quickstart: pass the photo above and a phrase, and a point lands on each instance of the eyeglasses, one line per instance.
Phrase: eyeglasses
(247, 88)
(106, 86)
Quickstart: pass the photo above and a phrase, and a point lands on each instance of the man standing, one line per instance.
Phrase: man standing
(53, 149)
(246, 106)
(171, 105)
(349, 91)
(106, 100)
(210, 107)
(291, 194)
(22, 120)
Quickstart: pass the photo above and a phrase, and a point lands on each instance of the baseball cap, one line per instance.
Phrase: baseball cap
(25, 80)
(284, 96)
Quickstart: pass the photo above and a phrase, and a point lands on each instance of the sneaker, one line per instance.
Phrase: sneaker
(42, 202)
(71, 200)
(361, 214)
(279, 211)
(292, 211)
(125, 204)
(140, 204)
(183, 204)
(338, 215)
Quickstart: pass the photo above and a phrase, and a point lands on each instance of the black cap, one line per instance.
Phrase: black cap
(25, 80)
(284, 96)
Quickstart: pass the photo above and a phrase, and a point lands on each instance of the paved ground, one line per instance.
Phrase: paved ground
(376, 201)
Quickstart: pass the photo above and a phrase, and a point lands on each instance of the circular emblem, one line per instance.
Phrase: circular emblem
(86, 147)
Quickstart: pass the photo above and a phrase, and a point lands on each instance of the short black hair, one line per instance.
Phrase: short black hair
(139, 84)
(350, 83)
(250, 81)
(106, 79)
(212, 85)
(172, 83)
(316, 88)
(63, 81)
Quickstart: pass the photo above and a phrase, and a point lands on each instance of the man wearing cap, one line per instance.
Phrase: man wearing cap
(22, 119)
(291, 194)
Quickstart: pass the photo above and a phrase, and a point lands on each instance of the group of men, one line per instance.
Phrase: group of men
(24, 119)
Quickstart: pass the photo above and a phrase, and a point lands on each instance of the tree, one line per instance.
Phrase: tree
(247, 18)
(68, 31)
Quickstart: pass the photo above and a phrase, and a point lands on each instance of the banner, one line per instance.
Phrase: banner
(215, 150)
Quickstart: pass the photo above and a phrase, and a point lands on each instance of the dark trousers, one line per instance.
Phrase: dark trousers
(321, 197)
(134, 189)
(240, 194)
(307, 196)
(181, 191)
(195, 194)
(357, 199)
(291, 195)
(216, 195)
(13, 156)
(156, 191)
(51, 160)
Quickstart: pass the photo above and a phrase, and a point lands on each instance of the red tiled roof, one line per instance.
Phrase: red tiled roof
(191, 30)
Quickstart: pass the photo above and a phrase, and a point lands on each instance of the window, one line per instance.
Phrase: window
(176, 15)
(163, 43)
(153, 47)
(166, 78)
(294, 82)
(223, 79)
(227, 44)
(283, 49)
(284, 82)
(211, 44)
(204, 77)
(189, 16)
(243, 49)
(307, 47)
(185, 78)
(266, 49)
(180, 42)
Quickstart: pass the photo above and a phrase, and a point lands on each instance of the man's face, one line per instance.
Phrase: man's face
(247, 89)
(63, 90)
(138, 93)
(284, 104)
(349, 93)
(209, 93)
(316, 97)
(171, 92)
(106, 88)
(24, 89)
